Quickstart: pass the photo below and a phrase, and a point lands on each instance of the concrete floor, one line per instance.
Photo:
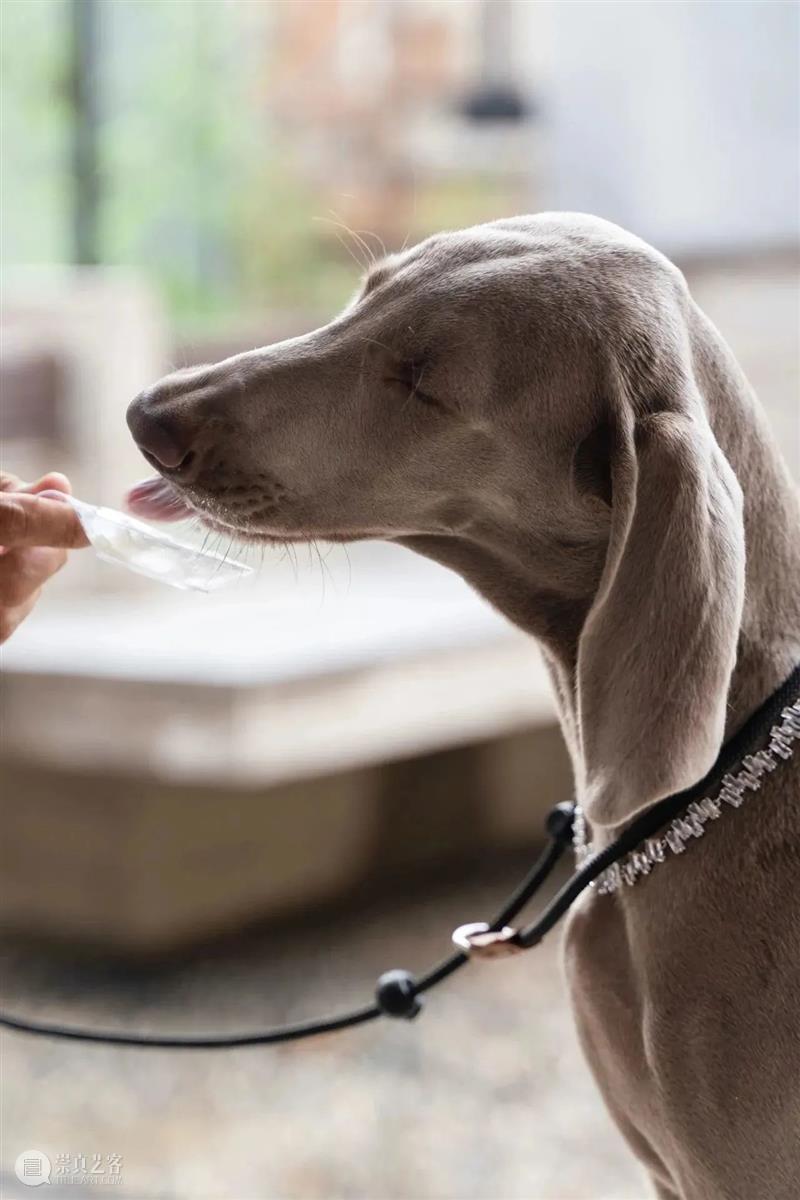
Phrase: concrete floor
(485, 1096)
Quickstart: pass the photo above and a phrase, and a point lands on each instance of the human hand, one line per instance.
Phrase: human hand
(35, 534)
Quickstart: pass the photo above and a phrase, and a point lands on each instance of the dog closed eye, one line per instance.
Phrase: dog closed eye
(410, 375)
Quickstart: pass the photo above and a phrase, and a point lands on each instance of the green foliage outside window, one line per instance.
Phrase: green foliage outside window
(196, 190)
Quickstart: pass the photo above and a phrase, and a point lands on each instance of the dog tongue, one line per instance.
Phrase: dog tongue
(156, 500)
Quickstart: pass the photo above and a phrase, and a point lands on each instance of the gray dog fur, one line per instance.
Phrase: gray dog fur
(538, 404)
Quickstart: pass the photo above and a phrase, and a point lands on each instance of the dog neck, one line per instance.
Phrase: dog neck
(769, 636)
(499, 564)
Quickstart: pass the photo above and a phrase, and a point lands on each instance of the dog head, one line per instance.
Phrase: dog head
(519, 401)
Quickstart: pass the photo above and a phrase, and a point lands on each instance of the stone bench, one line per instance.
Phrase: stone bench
(175, 764)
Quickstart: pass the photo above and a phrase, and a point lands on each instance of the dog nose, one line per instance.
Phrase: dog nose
(164, 441)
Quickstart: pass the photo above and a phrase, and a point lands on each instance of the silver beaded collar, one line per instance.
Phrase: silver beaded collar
(692, 823)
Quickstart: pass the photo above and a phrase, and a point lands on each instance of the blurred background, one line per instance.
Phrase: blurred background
(223, 811)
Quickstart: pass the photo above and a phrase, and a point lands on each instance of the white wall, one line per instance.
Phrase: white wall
(679, 120)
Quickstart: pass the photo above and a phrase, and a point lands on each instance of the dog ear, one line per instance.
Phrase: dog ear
(658, 646)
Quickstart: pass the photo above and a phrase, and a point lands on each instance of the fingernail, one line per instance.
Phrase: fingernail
(53, 494)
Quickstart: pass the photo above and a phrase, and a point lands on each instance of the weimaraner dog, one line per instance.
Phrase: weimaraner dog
(538, 404)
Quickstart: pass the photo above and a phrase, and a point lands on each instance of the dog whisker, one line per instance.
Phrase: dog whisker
(371, 256)
(363, 263)
(365, 233)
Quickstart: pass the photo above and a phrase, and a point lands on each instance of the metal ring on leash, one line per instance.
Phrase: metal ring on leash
(481, 941)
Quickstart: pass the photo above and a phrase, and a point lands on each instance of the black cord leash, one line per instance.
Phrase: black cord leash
(398, 993)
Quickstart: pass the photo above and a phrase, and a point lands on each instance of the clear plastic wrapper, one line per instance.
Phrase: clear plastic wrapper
(118, 538)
